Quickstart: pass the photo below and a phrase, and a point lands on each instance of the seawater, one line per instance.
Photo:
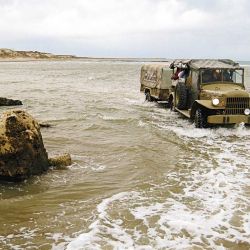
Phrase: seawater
(142, 176)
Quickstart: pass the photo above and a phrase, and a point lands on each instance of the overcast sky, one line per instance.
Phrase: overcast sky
(128, 28)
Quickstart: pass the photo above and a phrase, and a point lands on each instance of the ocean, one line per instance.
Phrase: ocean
(143, 177)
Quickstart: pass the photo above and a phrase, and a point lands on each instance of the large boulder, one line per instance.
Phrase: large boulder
(9, 102)
(22, 152)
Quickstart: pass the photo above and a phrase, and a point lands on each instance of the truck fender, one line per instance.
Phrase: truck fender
(202, 103)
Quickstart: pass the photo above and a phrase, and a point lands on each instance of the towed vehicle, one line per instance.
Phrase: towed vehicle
(156, 81)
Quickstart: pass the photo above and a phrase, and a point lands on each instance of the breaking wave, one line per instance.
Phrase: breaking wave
(203, 203)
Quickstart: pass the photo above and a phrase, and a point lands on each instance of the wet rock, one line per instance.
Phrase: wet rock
(9, 102)
(22, 151)
(60, 161)
(45, 125)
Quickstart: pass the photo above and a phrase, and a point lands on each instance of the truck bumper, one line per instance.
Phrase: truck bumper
(228, 119)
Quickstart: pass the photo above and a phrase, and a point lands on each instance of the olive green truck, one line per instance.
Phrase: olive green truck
(207, 91)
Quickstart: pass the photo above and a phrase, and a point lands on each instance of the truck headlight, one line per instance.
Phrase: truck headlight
(247, 111)
(215, 101)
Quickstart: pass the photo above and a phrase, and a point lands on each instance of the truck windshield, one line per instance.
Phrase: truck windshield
(222, 75)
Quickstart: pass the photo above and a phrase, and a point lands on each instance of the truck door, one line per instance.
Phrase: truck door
(195, 86)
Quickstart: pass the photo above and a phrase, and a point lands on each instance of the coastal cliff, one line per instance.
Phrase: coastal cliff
(13, 54)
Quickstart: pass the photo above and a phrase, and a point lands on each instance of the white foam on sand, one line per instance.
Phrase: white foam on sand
(217, 189)
(104, 225)
(183, 128)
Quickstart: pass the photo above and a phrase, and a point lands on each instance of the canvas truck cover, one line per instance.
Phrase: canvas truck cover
(206, 63)
(156, 76)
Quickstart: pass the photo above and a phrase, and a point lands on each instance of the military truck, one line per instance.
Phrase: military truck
(212, 92)
(155, 81)
(209, 91)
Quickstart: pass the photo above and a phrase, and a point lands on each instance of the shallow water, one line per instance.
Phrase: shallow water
(142, 176)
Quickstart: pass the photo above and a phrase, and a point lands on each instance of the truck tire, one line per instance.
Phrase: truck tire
(181, 96)
(200, 118)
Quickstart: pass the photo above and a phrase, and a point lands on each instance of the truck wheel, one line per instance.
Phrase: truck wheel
(181, 96)
(148, 97)
(200, 118)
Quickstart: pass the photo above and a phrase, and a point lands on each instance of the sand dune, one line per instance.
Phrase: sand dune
(13, 54)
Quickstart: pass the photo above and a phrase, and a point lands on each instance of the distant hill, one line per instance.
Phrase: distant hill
(12, 54)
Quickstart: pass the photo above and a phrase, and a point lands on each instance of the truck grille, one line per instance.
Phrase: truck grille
(237, 105)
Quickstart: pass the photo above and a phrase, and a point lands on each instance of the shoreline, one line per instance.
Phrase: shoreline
(114, 59)
(86, 59)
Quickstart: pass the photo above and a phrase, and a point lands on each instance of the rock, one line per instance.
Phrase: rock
(45, 125)
(60, 161)
(9, 102)
(22, 152)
